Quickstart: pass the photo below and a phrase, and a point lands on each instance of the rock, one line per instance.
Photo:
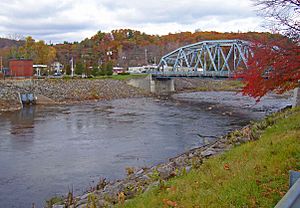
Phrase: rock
(188, 168)
(208, 152)
(165, 171)
(85, 196)
(58, 206)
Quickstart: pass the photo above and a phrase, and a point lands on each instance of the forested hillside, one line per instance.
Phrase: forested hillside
(125, 47)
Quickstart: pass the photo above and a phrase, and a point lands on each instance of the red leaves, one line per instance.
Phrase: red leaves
(275, 66)
(226, 167)
(169, 203)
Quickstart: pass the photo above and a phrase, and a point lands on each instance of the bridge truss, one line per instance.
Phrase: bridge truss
(211, 58)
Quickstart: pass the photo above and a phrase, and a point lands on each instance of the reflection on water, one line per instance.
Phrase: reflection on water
(22, 124)
(45, 150)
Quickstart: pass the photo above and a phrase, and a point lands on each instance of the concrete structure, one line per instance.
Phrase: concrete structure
(296, 101)
(154, 85)
(162, 85)
(21, 68)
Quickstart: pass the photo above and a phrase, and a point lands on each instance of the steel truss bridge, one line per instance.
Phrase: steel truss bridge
(214, 58)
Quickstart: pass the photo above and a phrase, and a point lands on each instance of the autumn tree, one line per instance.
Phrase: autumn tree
(40, 52)
(275, 64)
(281, 15)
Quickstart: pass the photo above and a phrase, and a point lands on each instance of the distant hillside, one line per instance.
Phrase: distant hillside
(8, 43)
(126, 47)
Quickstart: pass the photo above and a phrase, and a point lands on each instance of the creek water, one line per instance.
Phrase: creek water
(48, 150)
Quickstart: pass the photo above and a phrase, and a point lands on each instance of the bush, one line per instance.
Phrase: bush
(124, 73)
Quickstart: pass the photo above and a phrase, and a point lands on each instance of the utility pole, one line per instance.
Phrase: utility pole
(146, 56)
(1, 63)
(72, 67)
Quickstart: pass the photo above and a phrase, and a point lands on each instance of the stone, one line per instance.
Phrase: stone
(85, 196)
(165, 171)
(58, 206)
(208, 152)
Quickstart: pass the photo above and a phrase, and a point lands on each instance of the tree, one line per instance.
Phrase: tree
(79, 68)
(38, 51)
(282, 15)
(275, 64)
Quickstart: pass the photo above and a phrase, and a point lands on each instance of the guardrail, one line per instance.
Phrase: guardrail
(292, 198)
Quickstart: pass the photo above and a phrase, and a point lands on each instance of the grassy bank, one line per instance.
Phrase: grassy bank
(122, 77)
(254, 174)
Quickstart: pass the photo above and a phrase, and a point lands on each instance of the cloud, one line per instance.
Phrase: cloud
(71, 20)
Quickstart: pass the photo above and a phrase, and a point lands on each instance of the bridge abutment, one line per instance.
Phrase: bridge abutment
(162, 85)
(158, 85)
(297, 96)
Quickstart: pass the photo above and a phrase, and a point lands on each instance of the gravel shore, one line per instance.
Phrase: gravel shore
(66, 91)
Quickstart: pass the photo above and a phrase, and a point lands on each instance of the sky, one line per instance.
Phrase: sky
(74, 20)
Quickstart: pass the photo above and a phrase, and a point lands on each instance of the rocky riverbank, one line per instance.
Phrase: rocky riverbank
(60, 91)
(106, 194)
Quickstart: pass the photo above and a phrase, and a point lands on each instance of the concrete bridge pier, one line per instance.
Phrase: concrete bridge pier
(297, 96)
(158, 85)
(161, 85)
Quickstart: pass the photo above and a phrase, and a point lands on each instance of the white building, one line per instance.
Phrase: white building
(57, 67)
(38, 68)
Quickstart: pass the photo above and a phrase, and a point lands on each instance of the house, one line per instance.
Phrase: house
(21, 68)
(57, 67)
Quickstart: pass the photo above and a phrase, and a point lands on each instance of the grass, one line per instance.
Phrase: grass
(122, 77)
(115, 77)
(220, 85)
(254, 174)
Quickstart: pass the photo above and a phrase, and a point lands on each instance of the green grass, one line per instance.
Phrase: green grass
(254, 174)
(122, 77)
(115, 77)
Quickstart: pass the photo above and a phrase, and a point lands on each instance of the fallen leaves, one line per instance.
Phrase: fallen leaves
(169, 203)
(226, 166)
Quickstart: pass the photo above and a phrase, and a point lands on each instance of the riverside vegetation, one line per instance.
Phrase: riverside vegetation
(252, 171)
(254, 174)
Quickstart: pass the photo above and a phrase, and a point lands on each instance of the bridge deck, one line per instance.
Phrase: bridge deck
(206, 74)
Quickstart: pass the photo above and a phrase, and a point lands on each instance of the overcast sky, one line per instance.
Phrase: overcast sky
(74, 20)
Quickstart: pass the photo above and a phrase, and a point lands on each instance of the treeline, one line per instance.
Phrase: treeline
(124, 47)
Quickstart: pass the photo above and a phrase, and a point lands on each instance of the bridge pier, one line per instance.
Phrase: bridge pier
(162, 85)
(297, 96)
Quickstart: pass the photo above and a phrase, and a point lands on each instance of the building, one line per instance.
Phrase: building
(21, 67)
(39, 68)
(57, 67)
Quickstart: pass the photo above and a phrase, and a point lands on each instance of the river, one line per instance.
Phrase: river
(48, 150)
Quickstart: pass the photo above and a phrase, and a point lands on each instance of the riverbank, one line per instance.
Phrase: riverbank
(65, 91)
(254, 174)
(195, 169)
(71, 91)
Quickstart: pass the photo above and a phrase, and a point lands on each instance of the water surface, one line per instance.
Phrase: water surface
(45, 151)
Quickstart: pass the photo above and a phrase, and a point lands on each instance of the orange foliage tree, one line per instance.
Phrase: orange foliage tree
(275, 65)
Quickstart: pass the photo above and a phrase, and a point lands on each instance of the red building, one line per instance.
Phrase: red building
(21, 68)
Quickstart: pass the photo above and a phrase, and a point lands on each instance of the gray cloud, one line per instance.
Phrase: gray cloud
(60, 20)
